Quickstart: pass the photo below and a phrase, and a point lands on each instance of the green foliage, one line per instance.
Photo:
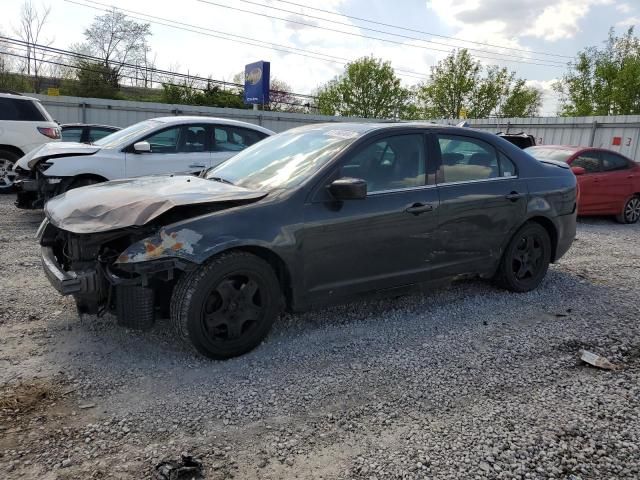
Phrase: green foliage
(460, 87)
(604, 81)
(94, 79)
(210, 96)
(368, 88)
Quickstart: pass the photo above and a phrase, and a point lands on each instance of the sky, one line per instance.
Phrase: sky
(534, 38)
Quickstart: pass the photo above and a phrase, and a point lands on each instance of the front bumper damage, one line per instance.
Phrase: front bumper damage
(84, 266)
(35, 189)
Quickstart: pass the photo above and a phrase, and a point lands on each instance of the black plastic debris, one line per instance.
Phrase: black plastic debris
(187, 468)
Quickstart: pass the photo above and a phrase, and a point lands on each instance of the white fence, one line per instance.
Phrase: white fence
(619, 133)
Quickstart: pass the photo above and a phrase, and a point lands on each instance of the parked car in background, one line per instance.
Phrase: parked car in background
(155, 146)
(521, 140)
(85, 133)
(309, 217)
(24, 126)
(609, 182)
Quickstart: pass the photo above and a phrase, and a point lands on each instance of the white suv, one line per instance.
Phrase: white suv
(24, 125)
(156, 146)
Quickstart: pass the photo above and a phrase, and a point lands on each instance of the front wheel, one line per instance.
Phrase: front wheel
(227, 306)
(631, 211)
(7, 161)
(526, 259)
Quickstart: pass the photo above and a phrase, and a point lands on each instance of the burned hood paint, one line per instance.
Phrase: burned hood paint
(135, 202)
(55, 149)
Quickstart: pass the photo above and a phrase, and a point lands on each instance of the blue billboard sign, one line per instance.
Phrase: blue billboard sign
(256, 83)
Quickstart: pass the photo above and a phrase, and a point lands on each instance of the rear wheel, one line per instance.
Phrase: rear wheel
(227, 306)
(526, 259)
(7, 161)
(631, 211)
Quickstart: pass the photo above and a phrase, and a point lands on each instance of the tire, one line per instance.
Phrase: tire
(630, 212)
(7, 160)
(525, 260)
(135, 307)
(227, 306)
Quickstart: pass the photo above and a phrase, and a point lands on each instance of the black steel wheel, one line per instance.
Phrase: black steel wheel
(631, 211)
(226, 307)
(526, 259)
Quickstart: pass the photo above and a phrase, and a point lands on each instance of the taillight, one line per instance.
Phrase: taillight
(50, 132)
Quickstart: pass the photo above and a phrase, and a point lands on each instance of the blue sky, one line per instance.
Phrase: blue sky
(560, 27)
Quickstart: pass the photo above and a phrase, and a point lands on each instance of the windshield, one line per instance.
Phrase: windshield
(127, 134)
(546, 153)
(284, 160)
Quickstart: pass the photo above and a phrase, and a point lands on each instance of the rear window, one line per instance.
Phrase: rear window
(20, 110)
(557, 154)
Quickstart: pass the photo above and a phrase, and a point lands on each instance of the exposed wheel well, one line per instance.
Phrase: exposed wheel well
(12, 149)
(551, 230)
(89, 176)
(278, 265)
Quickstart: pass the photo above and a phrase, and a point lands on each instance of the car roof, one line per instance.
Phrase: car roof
(180, 119)
(17, 96)
(88, 125)
(573, 148)
(362, 128)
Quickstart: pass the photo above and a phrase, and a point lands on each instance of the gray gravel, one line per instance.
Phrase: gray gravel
(463, 382)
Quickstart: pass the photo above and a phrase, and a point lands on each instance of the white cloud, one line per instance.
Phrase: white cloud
(628, 22)
(550, 99)
(624, 7)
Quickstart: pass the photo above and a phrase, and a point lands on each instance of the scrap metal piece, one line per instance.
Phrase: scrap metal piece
(596, 360)
(187, 468)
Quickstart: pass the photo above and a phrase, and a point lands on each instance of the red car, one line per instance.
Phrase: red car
(609, 182)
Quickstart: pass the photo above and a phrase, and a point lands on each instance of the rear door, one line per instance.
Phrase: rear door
(177, 149)
(617, 180)
(227, 140)
(482, 202)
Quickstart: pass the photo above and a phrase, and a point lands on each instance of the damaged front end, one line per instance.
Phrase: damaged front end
(88, 266)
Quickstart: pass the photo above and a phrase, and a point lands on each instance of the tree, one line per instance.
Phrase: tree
(280, 97)
(603, 81)
(117, 41)
(368, 88)
(94, 79)
(186, 93)
(461, 87)
(32, 22)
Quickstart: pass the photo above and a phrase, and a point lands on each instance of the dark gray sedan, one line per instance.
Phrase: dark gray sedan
(309, 217)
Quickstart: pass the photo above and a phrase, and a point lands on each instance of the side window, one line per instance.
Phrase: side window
(194, 139)
(589, 161)
(96, 133)
(389, 164)
(20, 110)
(234, 139)
(612, 162)
(165, 141)
(465, 159)
(72, 134)
(507, 167)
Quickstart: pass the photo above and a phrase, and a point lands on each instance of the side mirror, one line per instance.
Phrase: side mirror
(142, 147)
(578, 171)
(348, 189)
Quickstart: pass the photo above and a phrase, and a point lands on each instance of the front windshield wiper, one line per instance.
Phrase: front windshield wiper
(220, 179)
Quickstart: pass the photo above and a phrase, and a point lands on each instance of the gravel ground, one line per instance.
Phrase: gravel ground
(464, 382)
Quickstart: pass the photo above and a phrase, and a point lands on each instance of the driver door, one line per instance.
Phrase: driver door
(382, 241)
(178, 149)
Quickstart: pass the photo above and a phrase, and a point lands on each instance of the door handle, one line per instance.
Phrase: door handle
(513, 196)
(418, 208)
(196, 166)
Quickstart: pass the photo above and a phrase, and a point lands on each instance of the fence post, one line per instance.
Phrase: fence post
(594, 127)
(84, 112)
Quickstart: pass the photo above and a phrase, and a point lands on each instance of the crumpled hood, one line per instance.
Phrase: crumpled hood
(135, 202)
(55, 149)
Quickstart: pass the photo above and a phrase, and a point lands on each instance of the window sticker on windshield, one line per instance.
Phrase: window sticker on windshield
(341, 133)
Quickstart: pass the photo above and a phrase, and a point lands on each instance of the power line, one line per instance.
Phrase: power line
(67, 53)
(418, 31)
(409, 37)
(556, 65)
(244, 40)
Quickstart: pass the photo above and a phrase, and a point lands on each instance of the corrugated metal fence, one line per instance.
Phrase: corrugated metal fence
(619, 133)
(121, 113)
